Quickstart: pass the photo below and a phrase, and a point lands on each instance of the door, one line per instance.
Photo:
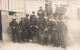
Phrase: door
(0, 27)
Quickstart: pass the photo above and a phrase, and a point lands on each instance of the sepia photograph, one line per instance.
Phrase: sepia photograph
(39, 24)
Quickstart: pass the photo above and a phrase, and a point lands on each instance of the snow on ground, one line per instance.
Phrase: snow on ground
(27, 46)
(74, 47)
(34, 46)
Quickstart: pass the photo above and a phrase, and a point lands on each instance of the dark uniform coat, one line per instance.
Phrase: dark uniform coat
(45, 34)
(33, 25)
(22, 29)
(54, 33)
(14, 28)
(62, 34)
(27, 29)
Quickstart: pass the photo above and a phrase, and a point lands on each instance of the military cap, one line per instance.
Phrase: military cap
(33, 12)
(27, 14)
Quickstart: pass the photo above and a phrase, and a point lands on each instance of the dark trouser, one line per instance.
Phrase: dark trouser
(40, 36)
(55, 16)
(23, 35)
(28, 35)
(15, 35)
(45, 37)
(62, 40)
(55, 38)
(60, 16)
(37, 36)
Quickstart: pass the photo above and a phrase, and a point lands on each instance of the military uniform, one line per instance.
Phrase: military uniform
(45, 34)
(22, 29)
(62, 34)
(62, 11)
(40, 30)
(57, 12)
(14, 27)
(36, 29)
(33, 27)
(54, 33)
(27, 29)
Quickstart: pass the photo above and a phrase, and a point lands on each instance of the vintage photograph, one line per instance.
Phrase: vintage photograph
(39, 24)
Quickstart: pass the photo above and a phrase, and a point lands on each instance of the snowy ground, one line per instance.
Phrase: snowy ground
(27, 46)
(34, 46)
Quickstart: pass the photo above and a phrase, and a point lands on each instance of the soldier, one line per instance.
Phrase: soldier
(57, 12)
(62, 10)
(14, 27)
(37, 29)
(54, 32)
(27, 29)
(41, 13)
(22, 28)
(62, 34)
(50, 31)
(40, 28)
(45, 23)
(33, 25)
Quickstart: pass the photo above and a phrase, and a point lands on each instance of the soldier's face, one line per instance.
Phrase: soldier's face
(26, 17)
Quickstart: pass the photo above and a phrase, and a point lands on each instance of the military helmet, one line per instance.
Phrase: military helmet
(27, 14)
(33, 12)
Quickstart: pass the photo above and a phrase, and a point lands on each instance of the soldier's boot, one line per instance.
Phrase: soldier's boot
(28, 40)
(14, 38)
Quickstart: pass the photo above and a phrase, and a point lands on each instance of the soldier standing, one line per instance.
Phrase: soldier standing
(33, 26)
(40, 28)
(62, 34)
(37, 29)
(27, 29)
(62, 10)
(54, 32)
(46, 31)
(22, 28)
(41, 13)
(14, 27)
(57, 12)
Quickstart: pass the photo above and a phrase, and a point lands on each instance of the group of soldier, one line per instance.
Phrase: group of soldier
(41, 30)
